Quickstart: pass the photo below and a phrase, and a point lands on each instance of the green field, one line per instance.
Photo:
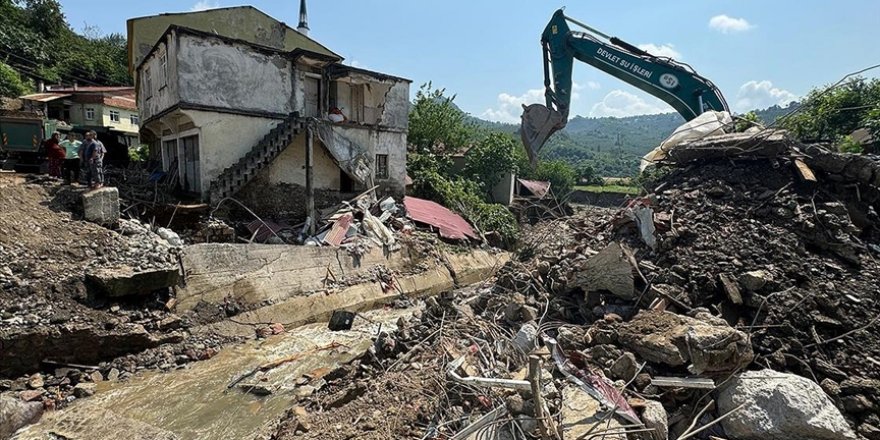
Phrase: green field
(632, 190)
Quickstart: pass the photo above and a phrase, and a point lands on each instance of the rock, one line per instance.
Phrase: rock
(277, 328)
(830, 387)
(581, 413)
(16, 414)
(625, 367)
(515, 404)
(36, 381)
(126, 281)
(171, 322)
(527, 423)
(856, 404)
(654, 417)
(84, 389)
(779, 406)
(101, 206)
(754, 280)
(257, 389)
(528, 313)
(170, 236)
(113, 374)
(674, 340)
(525, 338)
(869, 431)
(96, 376)
(31, 395)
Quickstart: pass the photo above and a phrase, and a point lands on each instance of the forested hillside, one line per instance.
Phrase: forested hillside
(37, 43)
(613, 146)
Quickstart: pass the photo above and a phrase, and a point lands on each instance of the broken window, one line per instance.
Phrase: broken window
(148, 84)
(163, 73)
(135, 120)
(313, 96)
(90, 114)
(382, 166)
(114, 116)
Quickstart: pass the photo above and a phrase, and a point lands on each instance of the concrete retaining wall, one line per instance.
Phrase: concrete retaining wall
(287, 283)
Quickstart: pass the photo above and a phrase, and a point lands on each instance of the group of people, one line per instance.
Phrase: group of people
(71, 158)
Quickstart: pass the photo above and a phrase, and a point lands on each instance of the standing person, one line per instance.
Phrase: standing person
(56, 155)
(94, 153)
(71, 160)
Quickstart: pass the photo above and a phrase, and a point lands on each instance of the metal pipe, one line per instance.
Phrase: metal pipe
(593, 30)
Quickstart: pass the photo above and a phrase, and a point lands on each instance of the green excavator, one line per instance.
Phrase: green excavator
(671, 81)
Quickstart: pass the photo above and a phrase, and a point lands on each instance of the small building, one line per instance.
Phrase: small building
(230, 97)
(108, 110)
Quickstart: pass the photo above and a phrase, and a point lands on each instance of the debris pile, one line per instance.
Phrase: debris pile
(737, 300)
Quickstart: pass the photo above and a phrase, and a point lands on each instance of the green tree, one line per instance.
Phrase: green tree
(11, 84)
(830, 114)
(587, 174)
(490, 159)
(746, 121)
(560, 174)
(435, 123)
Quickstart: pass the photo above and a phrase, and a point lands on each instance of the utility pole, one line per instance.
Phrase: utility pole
(310, 184)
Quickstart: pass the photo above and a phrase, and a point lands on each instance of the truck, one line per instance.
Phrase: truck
(22, 134)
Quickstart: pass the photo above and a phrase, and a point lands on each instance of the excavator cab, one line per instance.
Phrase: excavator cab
(539, 122)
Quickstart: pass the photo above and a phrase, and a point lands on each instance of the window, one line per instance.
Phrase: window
(163, 74)
(90, 114)
(381, 166)
(114, 116)
(135, 120)
(148, 83)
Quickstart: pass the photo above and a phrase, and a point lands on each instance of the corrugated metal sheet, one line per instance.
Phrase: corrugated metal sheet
(450, 224)
(536, 187)
(262, 232)
(339, 230)
(45, 97)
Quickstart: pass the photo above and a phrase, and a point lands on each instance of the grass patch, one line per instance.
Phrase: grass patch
(624, 189)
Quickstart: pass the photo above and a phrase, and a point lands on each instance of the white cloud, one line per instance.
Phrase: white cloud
(593, 85)
(619, 104)
(755, 95)
(509, 107)
(202, 5)
(726, 24)
(663, 50)
(358, 64)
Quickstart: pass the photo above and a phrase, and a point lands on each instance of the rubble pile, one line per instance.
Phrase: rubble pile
(54, 309)
(737, 300)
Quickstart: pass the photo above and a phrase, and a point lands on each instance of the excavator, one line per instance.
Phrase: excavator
(671, 81)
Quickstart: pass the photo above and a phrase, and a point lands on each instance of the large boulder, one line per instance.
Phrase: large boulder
(125, 281)
(779, 406)
(101, 206)
(16, 413)
(706, 342)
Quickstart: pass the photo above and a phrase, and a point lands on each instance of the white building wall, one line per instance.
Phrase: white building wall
(214, 73)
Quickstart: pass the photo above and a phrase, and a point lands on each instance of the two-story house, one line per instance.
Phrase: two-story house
(230, 98)
(109, 110)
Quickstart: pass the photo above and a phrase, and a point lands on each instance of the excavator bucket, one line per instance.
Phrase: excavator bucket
(538, 123)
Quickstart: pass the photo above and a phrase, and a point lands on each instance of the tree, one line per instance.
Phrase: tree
(560, 174)
(587, 174)
(11, 84)
(490, 159)
(832, 113)
(435, 123)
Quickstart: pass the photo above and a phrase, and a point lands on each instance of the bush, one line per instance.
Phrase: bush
(831, 114)
(746, 121)
(490, 159)
(560, 174)
(849, 145)
(11, 84)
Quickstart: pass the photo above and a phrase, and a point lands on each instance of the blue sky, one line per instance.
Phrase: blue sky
(487, 51)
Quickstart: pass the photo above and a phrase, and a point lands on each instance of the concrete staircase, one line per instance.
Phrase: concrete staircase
(234, 178)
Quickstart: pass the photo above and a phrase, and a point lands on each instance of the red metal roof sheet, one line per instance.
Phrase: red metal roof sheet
(450, 224)
(536, 187)
(339, 230)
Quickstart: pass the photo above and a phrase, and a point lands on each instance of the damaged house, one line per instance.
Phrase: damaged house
(232, 102)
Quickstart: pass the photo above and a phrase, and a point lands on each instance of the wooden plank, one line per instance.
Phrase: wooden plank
(804, 171)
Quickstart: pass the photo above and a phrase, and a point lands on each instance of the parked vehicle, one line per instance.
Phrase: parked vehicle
(22, 134)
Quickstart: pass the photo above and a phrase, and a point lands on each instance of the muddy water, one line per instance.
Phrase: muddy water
(194, 403)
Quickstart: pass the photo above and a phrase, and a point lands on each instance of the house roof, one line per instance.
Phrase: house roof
(94, 89)
(258, 47)
(45, 97)
(537, 187)
(245, 23)
(341, 70)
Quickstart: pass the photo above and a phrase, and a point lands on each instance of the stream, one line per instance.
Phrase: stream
(194, 402)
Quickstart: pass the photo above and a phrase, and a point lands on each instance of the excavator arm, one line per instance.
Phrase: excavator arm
(675, 83)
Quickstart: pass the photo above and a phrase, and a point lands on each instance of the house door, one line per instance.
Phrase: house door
(191, 180)
(313, 97)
